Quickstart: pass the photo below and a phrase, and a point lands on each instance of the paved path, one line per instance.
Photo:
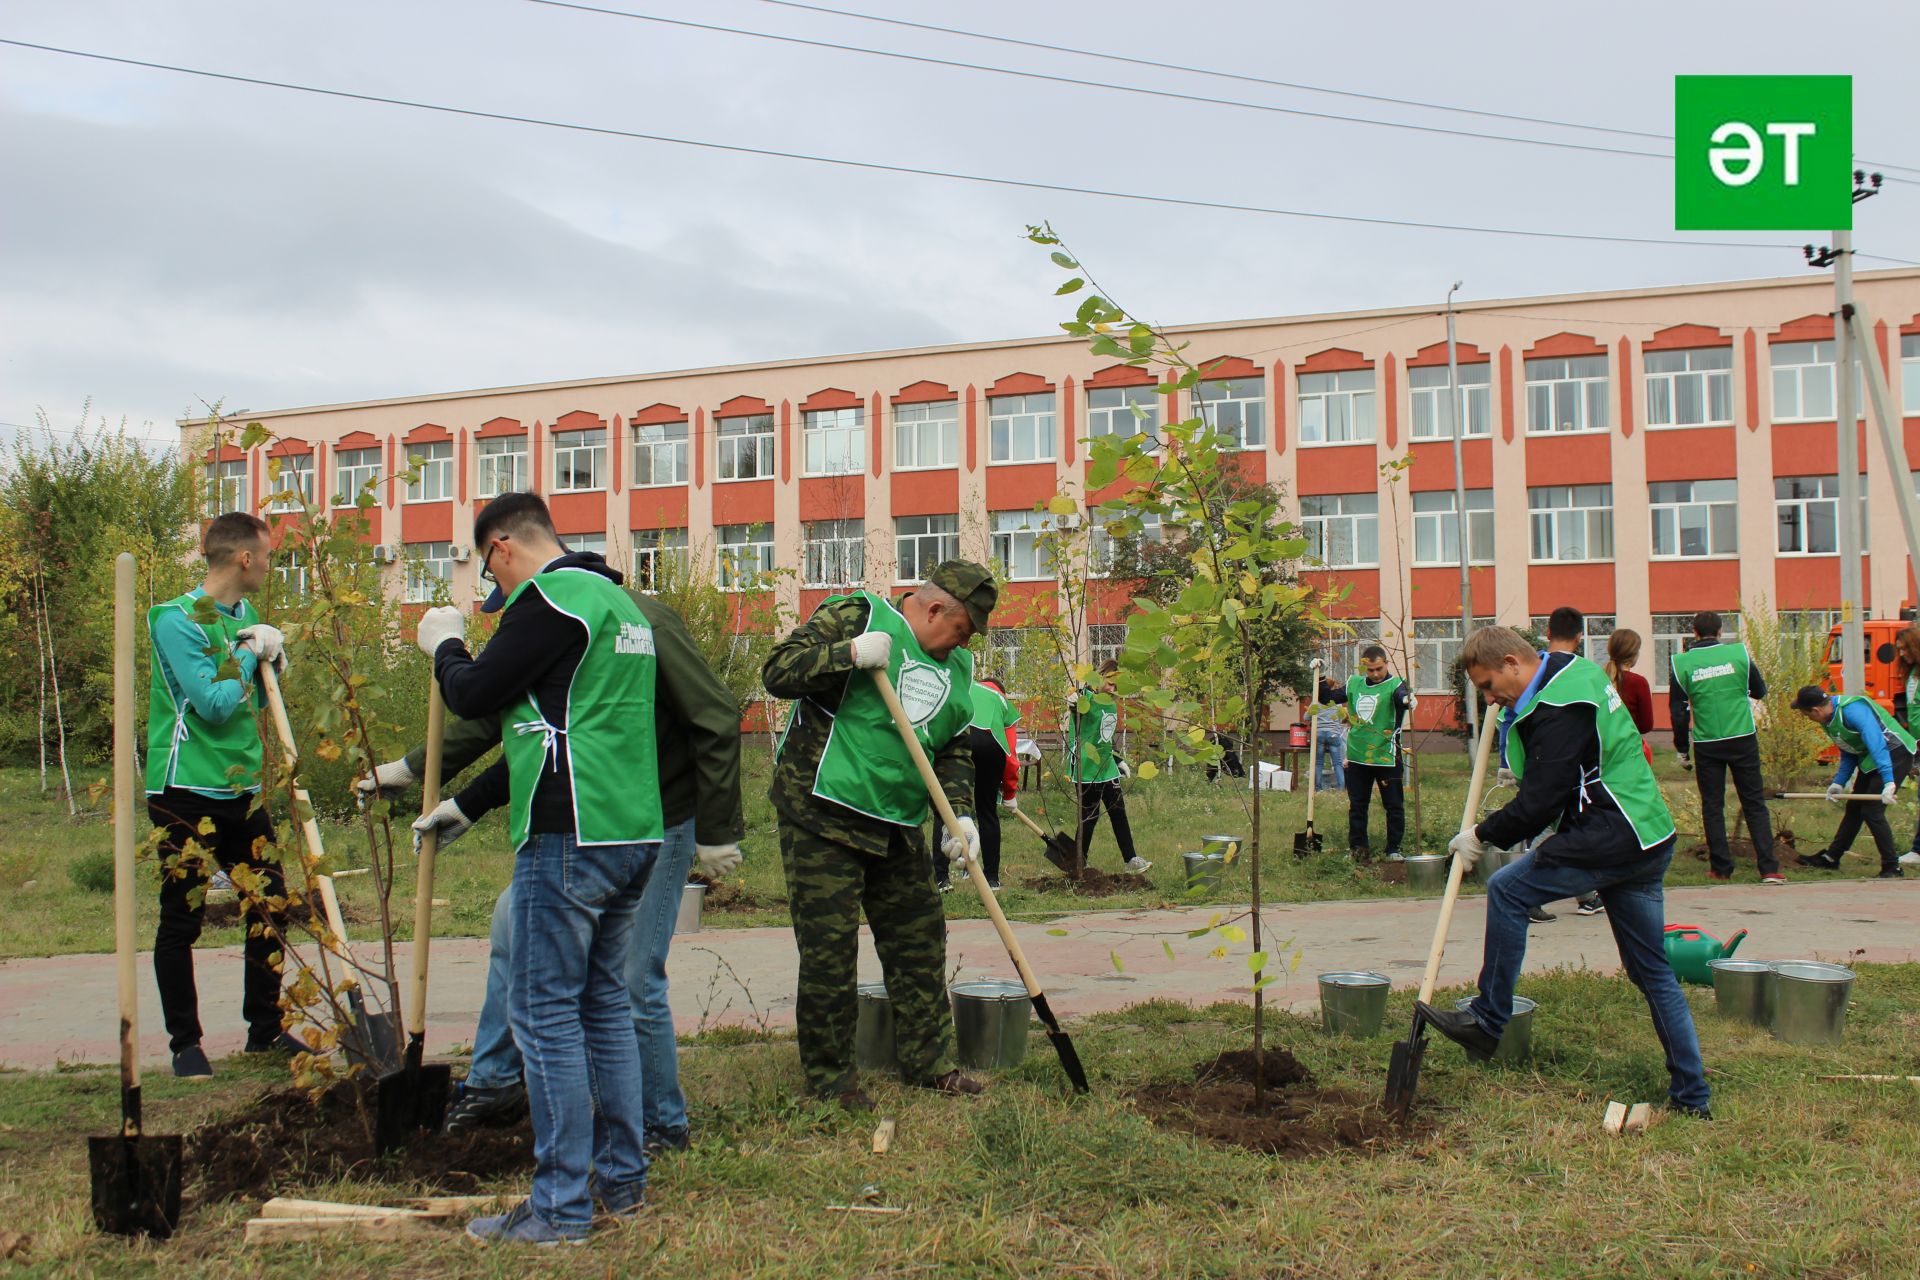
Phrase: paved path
(61, 1009)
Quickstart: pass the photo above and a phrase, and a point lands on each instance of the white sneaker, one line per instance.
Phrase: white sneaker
(1138, 865)
(1910, 859)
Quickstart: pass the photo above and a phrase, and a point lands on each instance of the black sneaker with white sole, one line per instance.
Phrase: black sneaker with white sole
(1539, 915)
(483, 1108)
(1590, 906)
(191, 1063)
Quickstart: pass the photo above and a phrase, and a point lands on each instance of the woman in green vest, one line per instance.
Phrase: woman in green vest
(1867, 736)
(1377, 703)
(1098, 767)
(996, 775)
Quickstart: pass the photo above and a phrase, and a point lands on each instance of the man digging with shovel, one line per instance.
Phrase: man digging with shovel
(1577, 758)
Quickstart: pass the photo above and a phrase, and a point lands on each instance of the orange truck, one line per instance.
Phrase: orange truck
(1886, 681)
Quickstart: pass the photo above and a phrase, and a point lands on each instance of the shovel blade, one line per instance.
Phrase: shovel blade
(1062, 1045)
(373, 1041)
(1403, 1070)
(136, 1184)
(410, 1101)
(1307, 842)
(1060, 852)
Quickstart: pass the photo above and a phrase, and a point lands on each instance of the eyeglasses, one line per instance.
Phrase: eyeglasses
(486, 560)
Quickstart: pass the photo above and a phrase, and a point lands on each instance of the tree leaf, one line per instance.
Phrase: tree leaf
(1117, 966)
(1256, 961)
(1233, 933)
(1061, 505)
(1168, 948)
(1057, 933)
(1062, 260)
(1148, 770)
(1070, 286)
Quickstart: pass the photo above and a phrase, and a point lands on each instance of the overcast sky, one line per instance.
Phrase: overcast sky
(166, 239)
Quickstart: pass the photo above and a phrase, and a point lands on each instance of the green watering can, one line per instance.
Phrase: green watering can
(1690, 949)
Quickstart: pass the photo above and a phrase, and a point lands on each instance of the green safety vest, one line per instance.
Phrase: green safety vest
(1372, 736)
(1714, 678)
(1094, 722)
(1913, 698)
(1624, 772)
(184, 750)
(865, 766)
(609, 723)
(1850, 742)
(993, 712)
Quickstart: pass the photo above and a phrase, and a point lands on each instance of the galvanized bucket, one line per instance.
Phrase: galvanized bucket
(1492, 859)
(1516, 1042)
(1426, 872)
(990, 1018)
(1204, 871)
(692, 896)
(1228, 847)
(1810, 1001)
(1354, 1003)
(873, 1030)
(1743, 989)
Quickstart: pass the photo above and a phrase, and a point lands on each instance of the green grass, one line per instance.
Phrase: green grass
(1512, 1178)
(48, 857)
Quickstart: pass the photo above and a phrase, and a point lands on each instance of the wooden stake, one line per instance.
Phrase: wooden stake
(883, 1137)
(1912, 1080)
(386, 1226)
(1639, 1116)
(284, 1207)
(457, 1206)
(864, 1208)
(1615, 1118)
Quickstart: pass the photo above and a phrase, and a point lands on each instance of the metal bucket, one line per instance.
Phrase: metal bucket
(990, 1019)
(1426, 872)
(1492, 859)
(691, 898)
(1204, 871)
(1354, 1003)
(1743, 989)
(1809, 1004)
(873, 1030)
(1516, 1042)
(1228, 847)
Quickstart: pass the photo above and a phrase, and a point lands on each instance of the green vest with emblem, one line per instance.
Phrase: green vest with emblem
(184, 750)
(992, 712)
(1095, 721)
(608, 733)
(1714, 678)
(1372, 737)
(865, 766)
(1624, 772)
(1850, 742)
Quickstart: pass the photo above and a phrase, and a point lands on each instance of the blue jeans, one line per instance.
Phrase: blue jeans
(574, 910)
(496, 1059)
(1332, 746)
(1635, 898)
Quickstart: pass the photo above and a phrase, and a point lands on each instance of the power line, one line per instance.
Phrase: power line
(882, 167)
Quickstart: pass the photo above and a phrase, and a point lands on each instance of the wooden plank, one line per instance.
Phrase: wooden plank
(459, 1206)
(1913, 1080)
(1615, 1118)
(283, 1207)
(402, 1226)
(1639, 1116)
(883, 1137)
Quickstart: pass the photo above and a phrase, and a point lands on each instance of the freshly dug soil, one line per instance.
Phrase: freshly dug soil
(1089, 883)
(285, 1142)
(730, 895)
(1294, 1119)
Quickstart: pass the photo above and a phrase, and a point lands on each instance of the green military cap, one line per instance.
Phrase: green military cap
(971, 584)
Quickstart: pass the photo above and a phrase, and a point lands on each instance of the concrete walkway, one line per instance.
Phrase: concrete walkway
(61, 1009)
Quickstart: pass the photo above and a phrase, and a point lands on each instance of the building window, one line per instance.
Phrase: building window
(1910, 374)
(746, 446)
(1343, 649)
(1433, 404)
(1599, 628)
(745, 555)
(1336, 408)
(1122, 412)
(926, 435)
(226, 487)
(1803, 381)
(1102, 545)
(1571, 522)
(1016, 545)
(835, 553)
(659, 454)
(1343, 529)
(1693, 518)
(292, 480)
(1021, 657)
(290, 567)
(1673, 633)
(579, 461)
(355, 471)
(659, 556)
(1436, 646)
(921, 542)
(1690, 388)
(1105, 641)
(433, 465)
(1806, 511)
(1567, 395)
(1436, 527)
(832, 441)
(429, 572)
(502, 465)
(594, 542)
(1020, 428)
(1235, 407)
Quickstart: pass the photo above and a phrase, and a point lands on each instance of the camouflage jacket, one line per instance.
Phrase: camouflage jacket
(812, 667)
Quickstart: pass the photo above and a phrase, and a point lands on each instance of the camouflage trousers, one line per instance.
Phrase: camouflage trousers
(828, 885)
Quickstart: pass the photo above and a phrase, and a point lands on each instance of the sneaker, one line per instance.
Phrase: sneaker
(1462, 1028)
(993, 885)
(854, 1099)
(1138, 865)
(946, 886)
(1721, 876)
(661, 1141)
(483, 1108)
(519, 1226)
(1394, 855)
(1824, 861)
(1911, 858)
(191, 1064)
(1539, 915)
(1773, 877)
(1590, 907)
(1360, 854)
(283, 1044)
(1891, 873)
(1691, 1113)
(957, 1082)
(621, 1205)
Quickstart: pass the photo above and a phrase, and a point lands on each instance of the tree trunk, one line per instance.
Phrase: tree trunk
(1259, 1001)
(59, 715)
(40, 645)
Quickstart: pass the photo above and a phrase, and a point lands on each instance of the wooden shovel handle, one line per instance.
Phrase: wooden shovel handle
(1313, 746)
(309, 826)
(429, 846)
(123, 842)
(1031, 825)
(1468, 816)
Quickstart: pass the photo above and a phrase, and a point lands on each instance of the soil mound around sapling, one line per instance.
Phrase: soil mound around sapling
(1088, 883)
(1294, 1118)
(285, 1142)
(729, 895)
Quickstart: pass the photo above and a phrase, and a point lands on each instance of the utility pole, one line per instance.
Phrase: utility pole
(1457, 410)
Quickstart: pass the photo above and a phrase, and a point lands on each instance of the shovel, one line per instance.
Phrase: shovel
(1403, 1071)
(372, 1040)
(1852, 797)
(1056, 848)
(413, 1099)
(1308, 842)
(1062, 1043)
(136, 1176)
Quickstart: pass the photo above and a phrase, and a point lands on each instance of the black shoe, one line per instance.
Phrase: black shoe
(283, 1044)
(1360, 854)
(478, 1108)
(854, 1099)
(1691, 1113)
(1590, 906)
(1540, 915)
(1891, 873)
(191, 1063)
(958, 1082)
(1462, 1028)
(660, 1141)
(1823, 861)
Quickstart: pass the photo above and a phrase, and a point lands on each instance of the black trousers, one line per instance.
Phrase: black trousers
(1361, 780)
(1712, 762)
(1092, 796)
(183, 908)
(989, 768)
(1873, 815)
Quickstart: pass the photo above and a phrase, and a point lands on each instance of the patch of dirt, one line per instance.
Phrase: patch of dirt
(1088, 883)
(730, 895)
(285, 1142)
(1295, 1118)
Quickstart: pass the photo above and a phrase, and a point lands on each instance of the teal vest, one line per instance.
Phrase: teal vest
(1372, 737)
(1850, 742)
(1714, 678)
(1095, 721)
(184, 750)
(1624, 772)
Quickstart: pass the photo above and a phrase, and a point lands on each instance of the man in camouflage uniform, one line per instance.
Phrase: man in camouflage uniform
(851, 807)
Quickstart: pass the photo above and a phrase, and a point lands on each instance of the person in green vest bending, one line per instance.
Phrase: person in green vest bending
(571, 674)
(1377, 703)
(204, 764)
(1580, 770)
(851, 807)
(996, 775)
(1098, 766)
(1710, 699)
(1867, 736)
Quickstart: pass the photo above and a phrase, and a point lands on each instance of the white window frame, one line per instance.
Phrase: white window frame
(1338, 408)
(292, 474)
(1436, 522)
(1105, 642)
(1343, 650)
(1433, 406)
(919, 545)
(1122, 412)
(494, 455)
(1436, 646)
(1796, 511)
(1803, 371)
(1665, 501)
(1234, 407)
(1100, 542)
(926, 436)
(351, 478)
(1704, 373)
(833, 553)
(1599, 628)
(743, 555)
(580, 455)
(594, 542)
(650, 546)
(655, 443)
(1326, 518)
(745, 442)
(1033, 416)
(429, 565)
(226, 487)
(1910, 375)
(1669, 635)
(434, 461)
(1552, 525)
(1571, 392)
(833, 442)
(1016, 545)
(290, 568)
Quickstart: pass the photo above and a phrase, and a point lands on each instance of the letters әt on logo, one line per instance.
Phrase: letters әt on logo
(1763, 153)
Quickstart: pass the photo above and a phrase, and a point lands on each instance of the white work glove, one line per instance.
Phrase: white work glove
(872, 650)
(447, 817)
(388, 780)
(1888, 792)
(1834, 792)
(266, 643)
(716, 860)
(1126, 770)
(1011, 804)
(961, 844)
(1505, 777)
(439, 625)
(1467, 847)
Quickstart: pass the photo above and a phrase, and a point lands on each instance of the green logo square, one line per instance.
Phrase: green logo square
(1762, 153)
